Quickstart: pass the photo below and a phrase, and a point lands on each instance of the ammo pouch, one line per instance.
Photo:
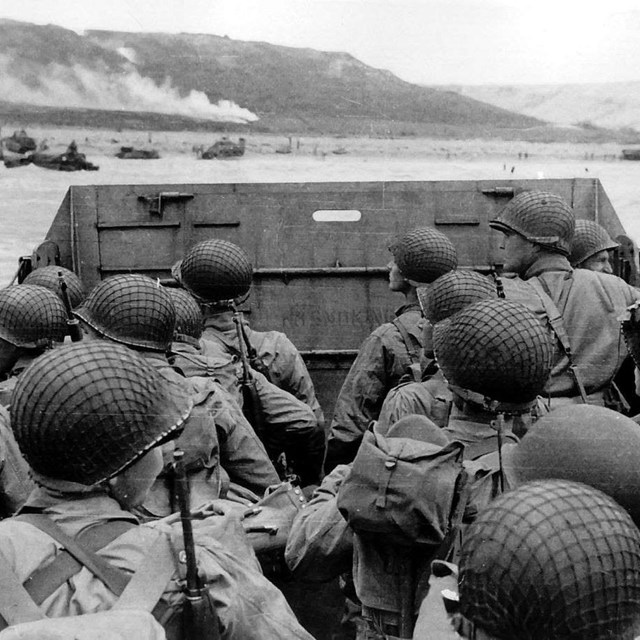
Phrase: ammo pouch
(402, 490)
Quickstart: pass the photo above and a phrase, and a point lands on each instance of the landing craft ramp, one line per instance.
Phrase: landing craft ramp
(319, 249)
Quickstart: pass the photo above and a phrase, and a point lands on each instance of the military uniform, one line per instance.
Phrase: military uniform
(217, 273)
(590, 304)
(219, 444)
(393, 350)
(15, 482)
(382, 361)
(277, 354)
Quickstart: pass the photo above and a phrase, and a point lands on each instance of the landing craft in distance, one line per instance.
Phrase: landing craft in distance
(70, 160)
(19, 142)
(129, 153)
(224, 148)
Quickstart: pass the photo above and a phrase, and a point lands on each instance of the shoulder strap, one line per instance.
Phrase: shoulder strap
(409, 342)
(44, 581)
(557, 325)
(113, 578)
(16, 604)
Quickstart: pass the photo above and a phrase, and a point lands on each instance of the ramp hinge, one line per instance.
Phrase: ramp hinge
(157, 201)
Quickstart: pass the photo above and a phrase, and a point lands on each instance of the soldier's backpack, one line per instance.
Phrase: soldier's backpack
(22, 618)
(404, 490)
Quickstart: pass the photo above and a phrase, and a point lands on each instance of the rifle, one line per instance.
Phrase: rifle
(72, 322)
(199, 617)
(251, 405)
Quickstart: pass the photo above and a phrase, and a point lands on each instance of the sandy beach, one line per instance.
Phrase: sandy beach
(30, 196)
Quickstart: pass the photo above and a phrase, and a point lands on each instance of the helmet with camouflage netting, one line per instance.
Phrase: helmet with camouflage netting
(454, 291)
(494, 353)
(215, 270)
(552, 559)
(85, 412)
(540, 217)
(424, 254)
(31, 316)
(189, 321)
(589, 238)
(584, 443)
(49, 277)
(132, 309)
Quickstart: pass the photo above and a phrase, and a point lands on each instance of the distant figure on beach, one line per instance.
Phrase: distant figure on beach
(513, 168)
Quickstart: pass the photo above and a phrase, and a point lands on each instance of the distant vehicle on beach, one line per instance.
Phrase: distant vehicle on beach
(225, 148)
(70, 160)
(19, 142)
(130, 153)
(631, 154)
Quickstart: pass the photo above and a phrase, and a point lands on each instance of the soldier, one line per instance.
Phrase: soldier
(135, 311)
(581, 307)
(590, 247)
(496, 357)
(49, 277)
(89, 418)
(394, 349)
(217, 273)
(551, 559)
(288, 424)
(431, 396)
(32, 320)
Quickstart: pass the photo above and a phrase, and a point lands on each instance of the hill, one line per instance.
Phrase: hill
(111, 79)
(614, 105)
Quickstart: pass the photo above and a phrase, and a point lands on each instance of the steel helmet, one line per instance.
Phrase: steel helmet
(49, 277)
(424, 254)
(189, 321)
(86, 411)
(589, 238)
(540, 217)
(31, 316)
(214, 270)
(552, 559)
(132, 309)
(452, 292)
(588, 444)
(497, 349)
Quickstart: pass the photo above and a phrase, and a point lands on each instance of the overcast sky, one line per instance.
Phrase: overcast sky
(423, 41)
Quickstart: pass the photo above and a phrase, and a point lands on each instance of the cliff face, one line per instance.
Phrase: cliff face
(215, 78)
(614, 105)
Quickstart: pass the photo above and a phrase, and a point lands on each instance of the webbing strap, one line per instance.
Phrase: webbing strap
(150, 579)
(409, 343)
(113, 578)
(555, 320)
(45, 581)
(16, 604)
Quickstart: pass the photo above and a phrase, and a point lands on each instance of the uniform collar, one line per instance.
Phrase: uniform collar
(74, 500)
(547, 262)
(412, 306)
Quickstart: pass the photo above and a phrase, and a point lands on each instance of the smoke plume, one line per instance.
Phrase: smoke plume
(78, 86)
